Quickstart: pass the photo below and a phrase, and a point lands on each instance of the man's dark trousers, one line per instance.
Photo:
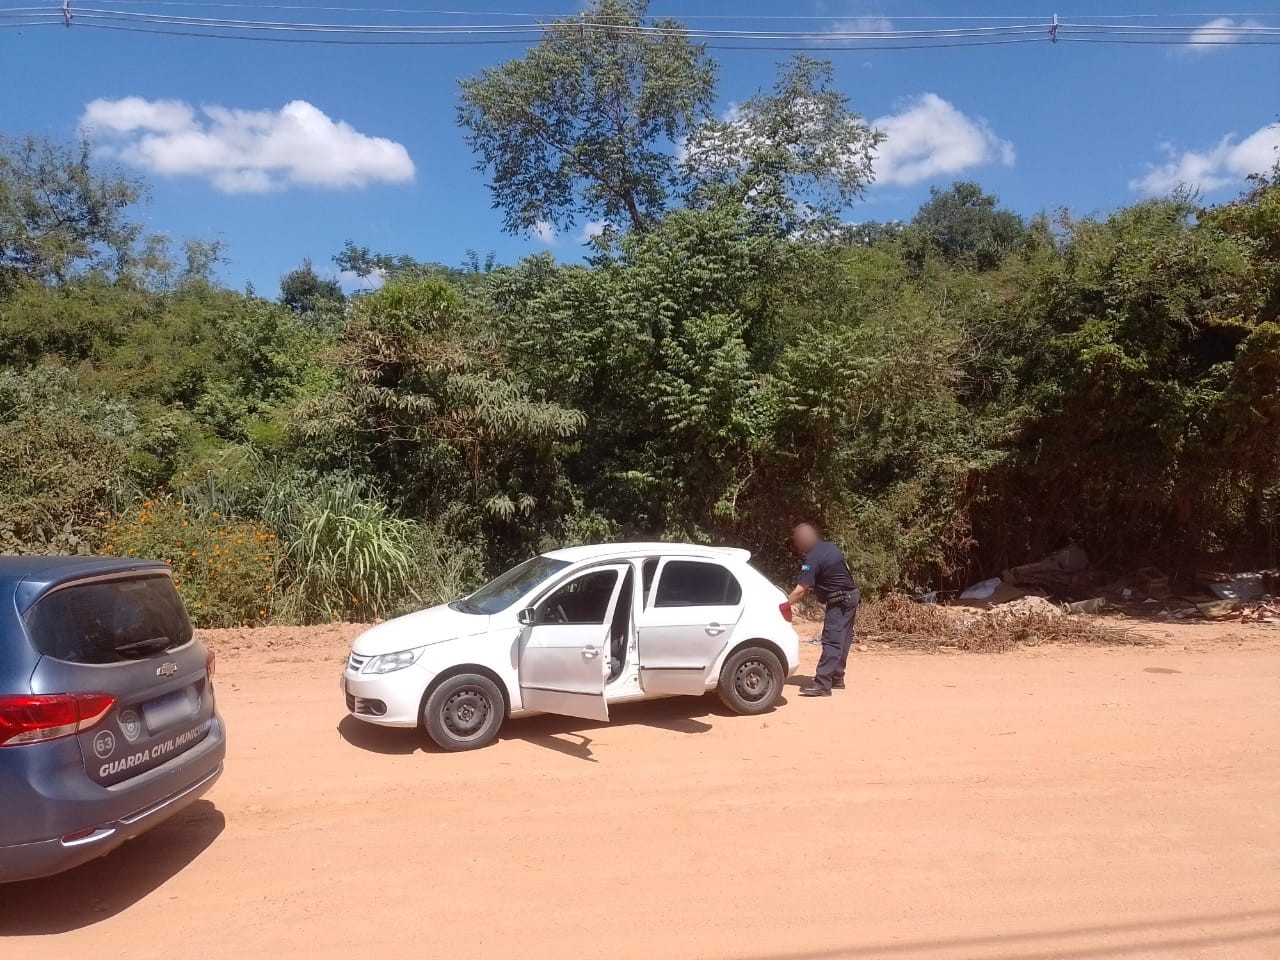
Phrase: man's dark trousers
(837, 638)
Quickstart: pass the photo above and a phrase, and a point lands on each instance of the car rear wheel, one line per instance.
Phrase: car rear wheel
(465, 712)
(751, 681)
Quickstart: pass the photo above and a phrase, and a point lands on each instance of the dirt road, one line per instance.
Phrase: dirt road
(1059, 803)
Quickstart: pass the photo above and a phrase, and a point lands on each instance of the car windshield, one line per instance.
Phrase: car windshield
(497, 595)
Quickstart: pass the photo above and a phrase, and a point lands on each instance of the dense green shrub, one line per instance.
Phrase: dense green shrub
(946, 398)
(63, 457)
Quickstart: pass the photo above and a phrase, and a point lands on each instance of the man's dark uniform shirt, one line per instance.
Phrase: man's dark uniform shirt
(826, 572)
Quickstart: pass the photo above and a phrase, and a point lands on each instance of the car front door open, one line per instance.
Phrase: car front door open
(690, 610)
(564, 655)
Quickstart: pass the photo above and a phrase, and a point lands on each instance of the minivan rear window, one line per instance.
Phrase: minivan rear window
(109, 621)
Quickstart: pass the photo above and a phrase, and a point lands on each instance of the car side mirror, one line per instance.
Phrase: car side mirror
(527, 617)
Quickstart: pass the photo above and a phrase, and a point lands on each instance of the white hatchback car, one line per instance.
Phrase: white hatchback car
(572, 632)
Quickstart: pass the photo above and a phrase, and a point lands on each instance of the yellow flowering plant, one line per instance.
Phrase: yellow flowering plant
(225, 569)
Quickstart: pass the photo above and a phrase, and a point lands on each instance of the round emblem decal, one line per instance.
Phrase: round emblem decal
(130, 725)
(104, 744)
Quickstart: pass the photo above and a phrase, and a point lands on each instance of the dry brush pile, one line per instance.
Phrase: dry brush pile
(1032, 621)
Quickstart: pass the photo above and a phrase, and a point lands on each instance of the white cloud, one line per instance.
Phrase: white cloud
(1226, 163)
(592, 229)
(544, 232)
(1221, 31)
(134, 113)
(245, 151)
(860, 25)
(373, 281)
(931, 138)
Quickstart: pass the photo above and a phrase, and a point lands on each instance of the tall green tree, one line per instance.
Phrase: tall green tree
(794, 158)
(425, 405)
(60, 214)
(966, 226)
(305, 291)
(584, 125)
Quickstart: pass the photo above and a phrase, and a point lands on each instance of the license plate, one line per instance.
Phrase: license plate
(167, 710)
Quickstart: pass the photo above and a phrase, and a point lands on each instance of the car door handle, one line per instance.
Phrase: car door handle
(714, 629)
(590, 653)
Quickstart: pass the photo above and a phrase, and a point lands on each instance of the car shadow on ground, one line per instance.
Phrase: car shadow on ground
(567, 735)
(392, 741)
(108, 886)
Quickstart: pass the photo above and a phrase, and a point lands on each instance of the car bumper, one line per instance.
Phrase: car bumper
(389, 700)
(196, 771)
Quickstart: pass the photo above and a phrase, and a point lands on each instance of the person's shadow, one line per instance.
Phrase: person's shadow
(111, 884)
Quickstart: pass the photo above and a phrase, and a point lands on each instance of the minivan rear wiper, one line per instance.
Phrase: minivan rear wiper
(154, 644)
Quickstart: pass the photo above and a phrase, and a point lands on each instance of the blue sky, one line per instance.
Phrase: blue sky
(381, 161)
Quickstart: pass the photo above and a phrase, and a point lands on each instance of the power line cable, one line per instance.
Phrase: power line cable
(534, 27)
(1099, 29)
(682, 16)
(95, 14)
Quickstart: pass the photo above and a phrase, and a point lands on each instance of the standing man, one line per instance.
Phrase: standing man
(825, 571)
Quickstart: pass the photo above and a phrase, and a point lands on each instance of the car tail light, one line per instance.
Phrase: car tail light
(210, 662)
(785, 609)
(33, 719)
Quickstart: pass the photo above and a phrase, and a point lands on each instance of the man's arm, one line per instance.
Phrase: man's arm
(804, 583)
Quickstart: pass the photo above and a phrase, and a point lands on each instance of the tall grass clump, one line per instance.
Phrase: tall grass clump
(350, 558)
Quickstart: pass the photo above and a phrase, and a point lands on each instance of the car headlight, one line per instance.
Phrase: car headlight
(391, 662)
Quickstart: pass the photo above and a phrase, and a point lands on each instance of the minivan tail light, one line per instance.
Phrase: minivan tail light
(785, 609)
(40, 717)
(210, 663)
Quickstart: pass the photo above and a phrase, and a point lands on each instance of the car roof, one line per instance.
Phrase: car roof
(608, 551)
(36, 575)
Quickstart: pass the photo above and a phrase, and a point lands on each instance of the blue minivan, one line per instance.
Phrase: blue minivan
(107, 717)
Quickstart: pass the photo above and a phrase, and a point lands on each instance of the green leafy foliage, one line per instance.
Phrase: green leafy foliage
(795, 158)
(585, 122)
(966, 227)
(64, 454)
(945, 397)
(59, 216)
(305, 291)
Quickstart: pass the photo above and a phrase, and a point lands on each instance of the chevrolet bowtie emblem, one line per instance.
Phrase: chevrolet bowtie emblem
(166, 670)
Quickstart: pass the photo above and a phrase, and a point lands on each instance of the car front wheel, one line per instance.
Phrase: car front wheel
(465, 712)
(751, 681)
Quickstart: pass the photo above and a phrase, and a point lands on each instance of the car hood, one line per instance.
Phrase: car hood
(416, 629)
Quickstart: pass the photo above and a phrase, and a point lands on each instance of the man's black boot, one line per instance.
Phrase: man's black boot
(837, 684)
(814, 690)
